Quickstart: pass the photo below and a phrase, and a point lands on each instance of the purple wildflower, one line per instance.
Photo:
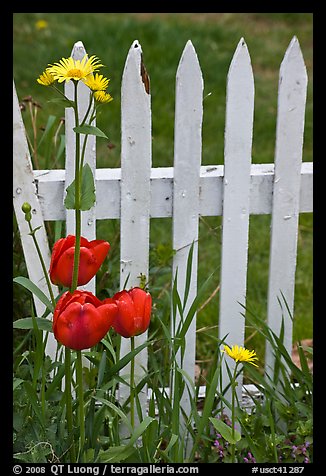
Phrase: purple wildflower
(249, 458)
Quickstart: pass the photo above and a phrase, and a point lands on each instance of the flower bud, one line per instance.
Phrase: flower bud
(134, 312)
(26, 207)
(81, 320)
(92, 255)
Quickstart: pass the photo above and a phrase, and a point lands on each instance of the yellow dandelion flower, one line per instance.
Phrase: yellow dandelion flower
(69, 68)
(41, 24)
(240, 354)
(46, 79)
(97, 82)
(103, 97)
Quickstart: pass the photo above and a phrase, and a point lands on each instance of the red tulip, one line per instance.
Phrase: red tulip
(134, 312)
(81, 320)
(92, 255)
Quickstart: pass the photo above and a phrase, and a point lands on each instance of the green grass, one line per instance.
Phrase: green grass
(163, 37)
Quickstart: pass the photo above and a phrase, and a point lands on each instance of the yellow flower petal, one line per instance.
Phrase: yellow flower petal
(69, 68)
(97, 82)
(102, 96)
(240, 354)
(46, 79)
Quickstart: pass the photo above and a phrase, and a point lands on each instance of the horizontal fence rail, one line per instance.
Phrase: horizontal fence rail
(188, 190)
(50, 186)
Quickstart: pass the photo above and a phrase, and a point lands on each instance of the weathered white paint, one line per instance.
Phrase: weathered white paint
(24, 190)
(136, 161)
(88, 223)
(50, 185)
(187, 162)
(286, 193)
(236, 201)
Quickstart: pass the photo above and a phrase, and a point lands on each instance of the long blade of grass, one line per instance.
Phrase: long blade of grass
(27, 323)
(101, 369)
(140, 429)
(32, 396)
(28, 284)
(188, 274)
(116, 409)
(208, 407)
(48, 127)
(183, 327)
(114, 370)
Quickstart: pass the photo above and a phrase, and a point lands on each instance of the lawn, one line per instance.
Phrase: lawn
(163, 37)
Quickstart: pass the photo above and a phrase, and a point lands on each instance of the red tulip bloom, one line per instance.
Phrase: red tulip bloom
(81, 320)
(92, 255)
(134, 312)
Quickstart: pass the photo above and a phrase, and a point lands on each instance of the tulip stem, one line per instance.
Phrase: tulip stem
(69, 403)
(74, 283)
(132, 384)
(80, 395)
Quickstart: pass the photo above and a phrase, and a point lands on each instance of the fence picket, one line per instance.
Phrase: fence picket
(136, 159)
(88, 219)
(187, 162)
(24, 190)
(236, 195)
(286, 194)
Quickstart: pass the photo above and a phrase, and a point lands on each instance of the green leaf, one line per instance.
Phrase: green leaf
(65, 102)
(17, 382)
(61, 147)
(87, 191)
(114, 370)
(226, 431)
(27, 323)
(28, 284)
(36, 405)
(115, 409)
(48, 127)
(70, 197)
(140, 429)
(116, 454)
(91, 130)
(188, 274)
(101, 369)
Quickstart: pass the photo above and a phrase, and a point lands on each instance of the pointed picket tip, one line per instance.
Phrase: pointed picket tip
(188, 50)
(241, 59)
(135, 48)
(78, 51)
(293, 60)
(189, 59)
(188, 54)
(135, 53)
(134, 65)
(240, 75)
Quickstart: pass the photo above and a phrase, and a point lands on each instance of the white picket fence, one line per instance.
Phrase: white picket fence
(136, 192)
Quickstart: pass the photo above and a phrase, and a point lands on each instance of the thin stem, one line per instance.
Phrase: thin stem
(80, 395)
(68, 395)
(86, 136)
(83, 155)
(233, 411)
(35, 138)
(73, 105)
(77, 201)
(46, 275)
(132, 385)
(88, 109)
